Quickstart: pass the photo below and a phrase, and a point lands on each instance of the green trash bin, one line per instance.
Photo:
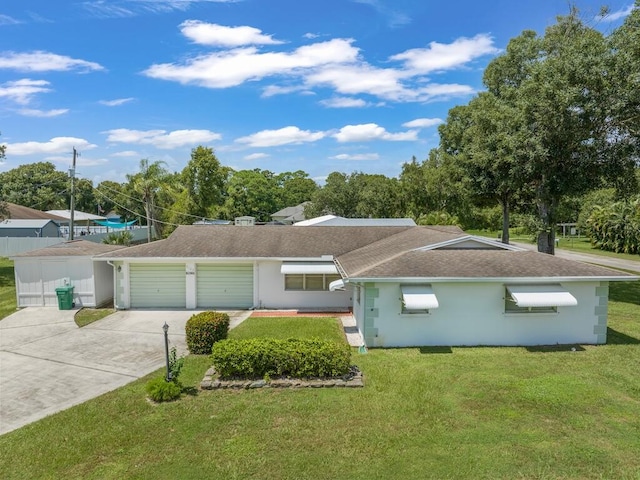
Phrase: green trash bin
(65, 297)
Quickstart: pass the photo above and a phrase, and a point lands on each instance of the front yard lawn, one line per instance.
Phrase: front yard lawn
(7, 288)
(424, 413)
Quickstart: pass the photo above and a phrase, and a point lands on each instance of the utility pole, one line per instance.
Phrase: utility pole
(72, 206)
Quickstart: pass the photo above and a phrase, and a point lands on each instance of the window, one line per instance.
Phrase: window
(538, 298)
(417, 299)
(510, 306)
(309, 281)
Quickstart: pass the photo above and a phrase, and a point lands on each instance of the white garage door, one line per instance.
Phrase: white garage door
(158, 285)
(225, 285)
(54, 273)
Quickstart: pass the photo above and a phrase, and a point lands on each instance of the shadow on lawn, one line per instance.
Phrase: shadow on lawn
(430, 350)
(627, 292)
(554, 348)
(615, 337)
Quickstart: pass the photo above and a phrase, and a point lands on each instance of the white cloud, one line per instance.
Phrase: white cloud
(441, 56)
(7, 20)
(371, 131)
(40, 61)
(356, 156)
(617, 15)
(336, 64)
(22, 91)
(256, 156)
(423, 123)
(394, 17)
(310, 35)
(117, 102)
(53, 146)
(233, 67)
(282, 136)
(161, 138)
(272, 90)
(218, 35)
(131, 8)
(126, 153)
(343, 102)
(31, 112)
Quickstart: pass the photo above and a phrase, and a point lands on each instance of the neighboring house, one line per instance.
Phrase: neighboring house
(290, 215)
(39, 272)
(29, 228)
(406, 285)
(20, 212)
(334, 221)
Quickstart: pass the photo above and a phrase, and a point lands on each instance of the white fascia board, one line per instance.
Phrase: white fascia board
(213, 259)
(511, 280)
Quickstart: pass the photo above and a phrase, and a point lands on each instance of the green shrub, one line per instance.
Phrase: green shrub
(270, 357)
(204, 329)
(159, 390)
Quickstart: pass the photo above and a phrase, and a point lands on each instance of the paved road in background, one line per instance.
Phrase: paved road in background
(630, 265)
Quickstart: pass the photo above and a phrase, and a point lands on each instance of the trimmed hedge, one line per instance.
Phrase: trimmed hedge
(267, 357)
(204, 329)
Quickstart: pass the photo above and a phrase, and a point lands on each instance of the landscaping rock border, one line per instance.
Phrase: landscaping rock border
(353, 379)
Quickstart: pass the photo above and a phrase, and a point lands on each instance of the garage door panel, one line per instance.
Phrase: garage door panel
(225, 285)
(157, 285)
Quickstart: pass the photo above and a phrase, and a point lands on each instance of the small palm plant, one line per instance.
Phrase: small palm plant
(118, 238)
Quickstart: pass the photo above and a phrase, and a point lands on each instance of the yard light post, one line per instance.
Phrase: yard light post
(165, 328)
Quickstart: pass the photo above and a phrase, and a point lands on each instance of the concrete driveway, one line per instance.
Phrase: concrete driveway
(48, 364)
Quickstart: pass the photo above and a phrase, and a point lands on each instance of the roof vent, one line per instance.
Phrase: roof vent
(245, 221)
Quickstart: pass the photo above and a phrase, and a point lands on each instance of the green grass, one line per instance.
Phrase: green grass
(289, 327)
(424, 413)
(8, 303)
(85, 316)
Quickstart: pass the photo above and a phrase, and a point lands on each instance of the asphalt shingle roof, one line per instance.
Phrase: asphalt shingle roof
(364, 252)
(480, 263)
(74, 248)
(230, 241)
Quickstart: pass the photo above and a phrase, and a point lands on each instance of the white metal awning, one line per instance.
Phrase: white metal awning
(541, 296)
(418, 297)
(308, 268)
(336, 285)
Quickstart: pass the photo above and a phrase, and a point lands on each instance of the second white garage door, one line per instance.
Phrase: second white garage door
(227, 285)
(158, 285)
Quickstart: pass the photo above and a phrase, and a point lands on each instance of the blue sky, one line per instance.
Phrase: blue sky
(321, 86)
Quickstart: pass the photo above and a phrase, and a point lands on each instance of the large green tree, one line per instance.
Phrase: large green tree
(204, 179)
(294, 188)
(251, 192)
(357, 195)
(36, 185)
(487, 139)
(624, 100)
(558, 83)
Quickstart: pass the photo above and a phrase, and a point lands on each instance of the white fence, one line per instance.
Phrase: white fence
(14, 245)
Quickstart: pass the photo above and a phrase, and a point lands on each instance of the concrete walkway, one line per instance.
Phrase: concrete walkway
(48, 364)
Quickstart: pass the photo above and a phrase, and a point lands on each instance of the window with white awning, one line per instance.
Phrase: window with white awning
(418, 298)
(537, 298)
(312, 268)
(310, 276)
